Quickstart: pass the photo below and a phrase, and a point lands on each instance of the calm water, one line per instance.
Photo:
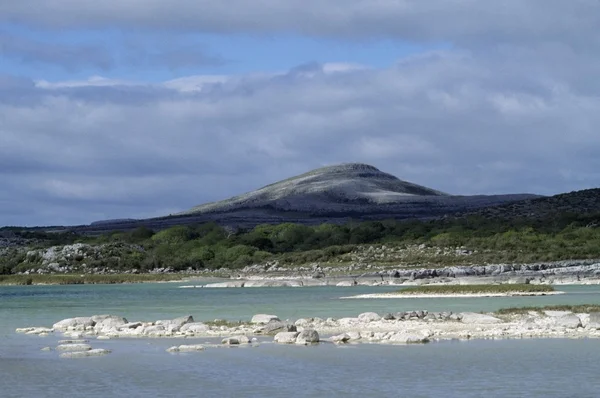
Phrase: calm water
(140, 368)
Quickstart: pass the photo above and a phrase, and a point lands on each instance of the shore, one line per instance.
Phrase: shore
(453, 295)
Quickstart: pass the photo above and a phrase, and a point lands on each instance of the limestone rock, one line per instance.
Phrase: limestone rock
(308, 336)
(473, 317)
(278, 326)
(186, 348)
(594, 320)
(235, 340)
(369, 317)
(194, 327)
(341, 338)
(78, 323)
(264, 318)
(73, 347)
(569, 321)
(83, 354)
(286, 337)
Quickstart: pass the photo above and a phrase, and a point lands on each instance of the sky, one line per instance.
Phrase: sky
(133, 109)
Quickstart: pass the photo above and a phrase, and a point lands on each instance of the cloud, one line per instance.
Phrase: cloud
(516, 120)
(466, 22)
(69, 56)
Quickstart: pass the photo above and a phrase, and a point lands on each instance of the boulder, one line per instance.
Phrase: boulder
(473, 317)
(236, 340)
(286, 337)
(83, 354)
(404, 338)
(194, 327)
(340, 339)
(569, 321)
(73, 347)
(369, 317)
(345, 284)
(274, 327)
(173, 325)
(594, 320)
(264, 318)
(308, 336)
(108, 321)
(186, 348)
(78, 323)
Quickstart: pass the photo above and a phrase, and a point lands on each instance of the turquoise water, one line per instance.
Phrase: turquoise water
(141, 367)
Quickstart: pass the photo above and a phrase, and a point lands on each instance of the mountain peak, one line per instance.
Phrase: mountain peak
(347, 184)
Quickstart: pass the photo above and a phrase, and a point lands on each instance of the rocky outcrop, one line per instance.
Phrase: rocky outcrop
(264, 318)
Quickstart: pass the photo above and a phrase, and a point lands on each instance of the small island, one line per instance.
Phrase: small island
(498, 290)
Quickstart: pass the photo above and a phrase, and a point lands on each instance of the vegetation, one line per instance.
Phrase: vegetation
(476, 289)
(577, 308)
(210, 247)
(66, 279)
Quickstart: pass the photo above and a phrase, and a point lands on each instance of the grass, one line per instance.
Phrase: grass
(578, 308)
(477, 289)
(70, 279)
(223, 322)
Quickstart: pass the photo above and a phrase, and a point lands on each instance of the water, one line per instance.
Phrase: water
(141, 367)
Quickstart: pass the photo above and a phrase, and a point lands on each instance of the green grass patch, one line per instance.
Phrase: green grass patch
(578, 308)
(69, 279)
(476, 289)
(223, 322)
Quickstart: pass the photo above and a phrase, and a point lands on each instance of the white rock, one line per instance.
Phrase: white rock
(308, 336)
(569, 321)
(194, 327)
(286, 337)
(235, 340)
(74, 347)
(78, 323)
(186, 348)
(264, 318)
(84, 354)
(369, 317)
(473, 317)
(404, 338)
(341, 338)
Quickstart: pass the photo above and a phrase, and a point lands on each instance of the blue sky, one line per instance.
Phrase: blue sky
(123, 108)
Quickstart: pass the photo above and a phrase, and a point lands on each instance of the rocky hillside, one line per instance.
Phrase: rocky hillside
(332, 187)
(578, 202)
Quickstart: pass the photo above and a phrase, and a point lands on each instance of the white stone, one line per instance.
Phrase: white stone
(264, 318)
(286, 337)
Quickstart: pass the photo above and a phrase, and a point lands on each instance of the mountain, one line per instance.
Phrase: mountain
(333, 194)
(325, 189)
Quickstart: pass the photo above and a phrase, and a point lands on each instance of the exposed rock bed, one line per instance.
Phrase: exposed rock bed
(398, 328)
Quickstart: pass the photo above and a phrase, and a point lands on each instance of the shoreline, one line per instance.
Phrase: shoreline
(453, 295)
(407, 327)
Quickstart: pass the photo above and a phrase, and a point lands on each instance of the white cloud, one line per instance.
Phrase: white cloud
(453, 121)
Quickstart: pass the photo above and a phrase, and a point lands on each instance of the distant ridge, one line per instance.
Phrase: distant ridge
(347, 184)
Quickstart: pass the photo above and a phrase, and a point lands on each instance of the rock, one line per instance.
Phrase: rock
(264, 318)
(557, 313)
(308, 336)
(35, 330)
(186, 348)
(404, 338)
(79, 341)
(236, 340)
(569, 321)
(473, 317)
(274, 327)
(78, 323)
(108, 321)
(286, 337)
(354, 335)
(83, 354)
(130, 325)
(388, 317)
(194, 327)
(345, 284)
(594, 320)
(46, 349)
(340, 339)
(74, 347)
(174, 325)
(369, 317)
